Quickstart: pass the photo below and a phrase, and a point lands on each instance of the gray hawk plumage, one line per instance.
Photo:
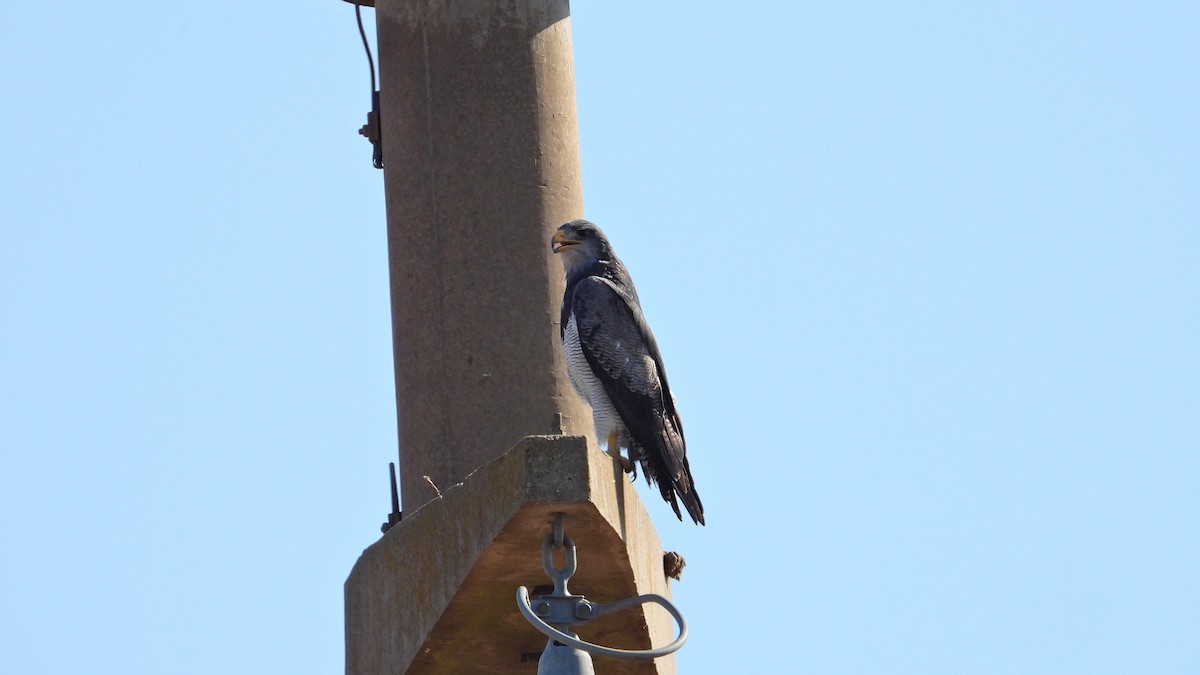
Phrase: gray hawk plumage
(614, 364)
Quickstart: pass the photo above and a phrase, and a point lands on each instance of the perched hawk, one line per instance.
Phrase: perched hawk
(614, 363)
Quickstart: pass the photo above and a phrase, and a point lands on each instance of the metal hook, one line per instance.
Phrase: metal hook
(560, 577)
(558, 529)
(554, 614)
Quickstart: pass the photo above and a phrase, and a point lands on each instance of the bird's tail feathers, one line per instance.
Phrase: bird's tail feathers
(674, 487)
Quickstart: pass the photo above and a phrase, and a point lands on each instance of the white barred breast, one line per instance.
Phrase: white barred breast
(604, 416)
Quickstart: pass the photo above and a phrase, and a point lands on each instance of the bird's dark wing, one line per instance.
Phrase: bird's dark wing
(622, 352)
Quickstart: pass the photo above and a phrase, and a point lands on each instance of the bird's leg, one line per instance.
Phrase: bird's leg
(614, 451)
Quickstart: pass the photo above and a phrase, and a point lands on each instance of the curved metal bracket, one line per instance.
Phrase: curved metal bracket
(555, 613)
(553, 633)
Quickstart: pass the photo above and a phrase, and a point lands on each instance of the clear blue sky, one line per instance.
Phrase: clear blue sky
(926, 279)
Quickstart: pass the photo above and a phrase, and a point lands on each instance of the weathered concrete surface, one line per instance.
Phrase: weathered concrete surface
(437, 593)
(481, 164)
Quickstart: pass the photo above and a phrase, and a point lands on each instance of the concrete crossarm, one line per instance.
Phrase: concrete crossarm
(436, 593)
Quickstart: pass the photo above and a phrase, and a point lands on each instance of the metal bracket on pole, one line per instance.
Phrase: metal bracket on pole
(554, 615)
(372, 130)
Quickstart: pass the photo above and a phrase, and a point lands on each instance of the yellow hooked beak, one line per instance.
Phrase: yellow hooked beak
(561, 241)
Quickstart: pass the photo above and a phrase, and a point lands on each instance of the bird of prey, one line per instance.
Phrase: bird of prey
(614, 364)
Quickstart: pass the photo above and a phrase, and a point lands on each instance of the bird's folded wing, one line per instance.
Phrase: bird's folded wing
(622, 352)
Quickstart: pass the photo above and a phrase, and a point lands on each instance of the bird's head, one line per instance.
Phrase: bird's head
(584, 249)
(579, 241)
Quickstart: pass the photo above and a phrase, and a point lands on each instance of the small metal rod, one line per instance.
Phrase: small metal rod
(395, 491)
(395, 516)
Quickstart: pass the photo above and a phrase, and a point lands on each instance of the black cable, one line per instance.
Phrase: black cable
(366, 46)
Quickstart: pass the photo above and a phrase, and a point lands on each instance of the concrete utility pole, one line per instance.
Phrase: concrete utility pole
(481, 164)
